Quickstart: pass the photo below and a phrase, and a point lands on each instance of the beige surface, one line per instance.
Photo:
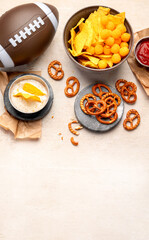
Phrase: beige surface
(51, 190)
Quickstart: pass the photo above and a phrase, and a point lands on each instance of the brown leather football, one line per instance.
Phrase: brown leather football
(26, 31)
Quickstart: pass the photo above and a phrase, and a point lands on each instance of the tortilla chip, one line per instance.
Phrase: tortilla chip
(89, 32)
(103, 11)
(94, 60)
(90, 64)
(27, 96)
(109, 62)
(73, 34)
(80, 54)
(87, 63)
(79, 41)
(79, 23)
(30, 88)
(117, 19)
(104, 56)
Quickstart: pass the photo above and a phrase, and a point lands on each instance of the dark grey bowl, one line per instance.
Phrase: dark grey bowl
(85, 12)
(136, 49)
(21, 115)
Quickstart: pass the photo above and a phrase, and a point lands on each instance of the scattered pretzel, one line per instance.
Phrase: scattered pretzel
(118, 84)
(73, 141)
(94, 107)
(100, 93)
(109, 120)
(128, 91)
(87, 97)
(73, 130)
(58, 70)
(71, 86)
(130, 119)
(78, 128)
(113, 95)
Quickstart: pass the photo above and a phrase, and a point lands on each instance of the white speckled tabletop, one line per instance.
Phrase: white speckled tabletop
(51, 190)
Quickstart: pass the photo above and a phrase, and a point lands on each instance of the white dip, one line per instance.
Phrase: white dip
(28, 106)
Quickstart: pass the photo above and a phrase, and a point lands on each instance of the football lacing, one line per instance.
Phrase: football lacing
(27, 31)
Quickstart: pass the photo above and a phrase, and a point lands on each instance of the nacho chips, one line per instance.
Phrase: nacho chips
(100, 29)
(30, 88)
(27, 96)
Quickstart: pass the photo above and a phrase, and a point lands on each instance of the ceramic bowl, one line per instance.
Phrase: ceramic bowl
(23, 78)
(136, 49)
(84, 13)
(23, 114)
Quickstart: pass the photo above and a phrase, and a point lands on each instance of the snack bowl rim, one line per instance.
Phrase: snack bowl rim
(135, 50)
(94, 8)
(18, 79)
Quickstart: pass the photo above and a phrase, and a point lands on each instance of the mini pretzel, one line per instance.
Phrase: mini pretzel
(87, 98)
(127, 91)
(109, 120)
(118, 86)
(130, 119)
(111, 107)
(94, 107)
(100, 93)
(71, 86)
(71, 129)
(73, 141)
(78, 128)
(58, 69)
(113, 95)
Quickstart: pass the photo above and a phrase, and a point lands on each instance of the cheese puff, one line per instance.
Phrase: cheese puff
(121, 27)
(125, 37)
(124, 44)
(102, 64)
(109, 41)
(105, 33)
(115, 48)
(124, 51)
(91, 50)
(116, 33)
(118, 41)
(116, 58)
(98, 49)
(106, 50)
(110, 25)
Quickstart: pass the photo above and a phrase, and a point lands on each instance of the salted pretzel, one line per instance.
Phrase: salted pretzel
(73, 130)
(58, 69)
(99, 86)
(113, 95)
(73, 141)
(109, 120)
(111, 107)
(128, 92)
(85, 98)
(78, 128)
(129, 119)
(70, 86)
(119, 84)
(94, 107)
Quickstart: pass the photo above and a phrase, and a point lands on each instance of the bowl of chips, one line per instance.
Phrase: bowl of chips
(98, 39)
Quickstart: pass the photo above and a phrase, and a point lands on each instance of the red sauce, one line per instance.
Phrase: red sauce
(143, 52)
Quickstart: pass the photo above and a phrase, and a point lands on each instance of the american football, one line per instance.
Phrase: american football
(26, 31)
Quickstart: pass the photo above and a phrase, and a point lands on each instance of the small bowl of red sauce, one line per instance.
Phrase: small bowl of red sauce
(142, 51)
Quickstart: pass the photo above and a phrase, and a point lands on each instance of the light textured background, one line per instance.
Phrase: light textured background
(51, 190)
